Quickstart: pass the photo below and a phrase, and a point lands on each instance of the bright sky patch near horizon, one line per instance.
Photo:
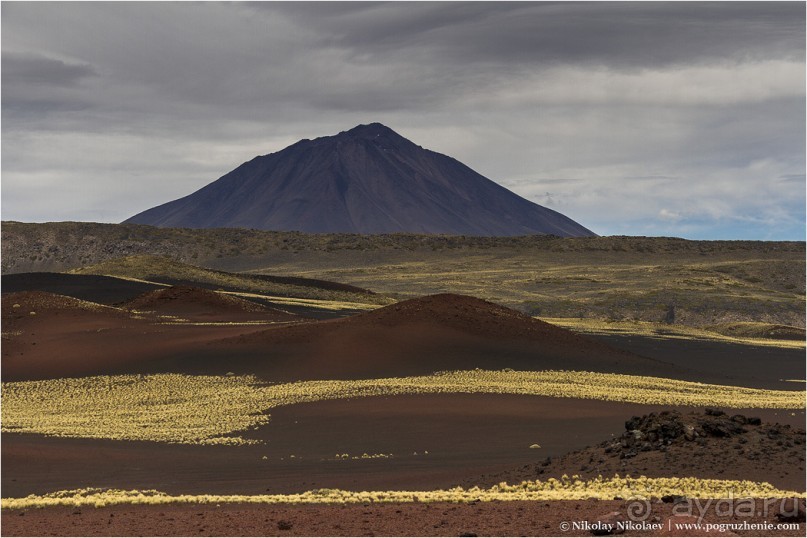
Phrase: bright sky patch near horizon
(641, 118)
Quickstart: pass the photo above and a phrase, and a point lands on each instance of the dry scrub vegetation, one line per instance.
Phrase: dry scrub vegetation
(746, 334)
(565, 488)
(211, 409)
(699, 290)
(617, 278)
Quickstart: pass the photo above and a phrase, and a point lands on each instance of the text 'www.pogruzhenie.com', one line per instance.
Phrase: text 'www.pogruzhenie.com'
(730, 527)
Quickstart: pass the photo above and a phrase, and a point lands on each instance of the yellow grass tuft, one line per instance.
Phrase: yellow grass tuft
(565, 488)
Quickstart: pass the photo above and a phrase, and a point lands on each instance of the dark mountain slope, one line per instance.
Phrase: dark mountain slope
(366, 180)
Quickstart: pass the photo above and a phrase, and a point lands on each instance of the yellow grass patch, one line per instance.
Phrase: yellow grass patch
(178, 408)
(558, 384)
(165, 407)
(565, 488)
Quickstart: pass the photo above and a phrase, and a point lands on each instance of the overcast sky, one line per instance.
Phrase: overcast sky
(678, 119)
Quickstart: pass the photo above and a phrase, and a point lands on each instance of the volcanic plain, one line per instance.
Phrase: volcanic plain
(248, 395)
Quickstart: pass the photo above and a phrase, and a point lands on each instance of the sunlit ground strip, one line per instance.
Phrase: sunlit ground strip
(293, 301)
(179, 408)
(313, 303)
(133, 279)
(563, 489)
(664, 331)
(227, 323)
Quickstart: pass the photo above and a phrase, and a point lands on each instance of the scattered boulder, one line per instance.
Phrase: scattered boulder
(721, 427)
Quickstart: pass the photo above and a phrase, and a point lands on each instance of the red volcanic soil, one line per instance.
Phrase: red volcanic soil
(515, 518)
(475, 438)
(26, 315)
(461, 313)
(202, 304)
(420, 336)
(415, 337)
(67, 337)
(27, 305)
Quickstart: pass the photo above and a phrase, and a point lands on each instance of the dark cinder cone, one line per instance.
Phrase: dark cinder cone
(367, 180)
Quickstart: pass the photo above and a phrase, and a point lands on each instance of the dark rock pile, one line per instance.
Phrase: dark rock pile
(657, 431)
(705, 443)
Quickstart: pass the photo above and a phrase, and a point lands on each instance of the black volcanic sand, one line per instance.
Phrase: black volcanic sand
(715, 444)
(721, 362)
(105, 290)
(461, 433)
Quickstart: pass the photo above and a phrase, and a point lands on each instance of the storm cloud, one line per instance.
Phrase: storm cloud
(683, 119)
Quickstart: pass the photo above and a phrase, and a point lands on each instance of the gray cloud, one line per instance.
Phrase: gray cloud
(34, 82)
(686, 110)
(35, 69)
(796, 178)
(607, 33)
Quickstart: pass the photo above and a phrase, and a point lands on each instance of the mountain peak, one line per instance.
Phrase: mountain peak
(370, 130)
(367, 180)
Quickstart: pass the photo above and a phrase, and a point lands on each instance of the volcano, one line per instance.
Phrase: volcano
(367, 180)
